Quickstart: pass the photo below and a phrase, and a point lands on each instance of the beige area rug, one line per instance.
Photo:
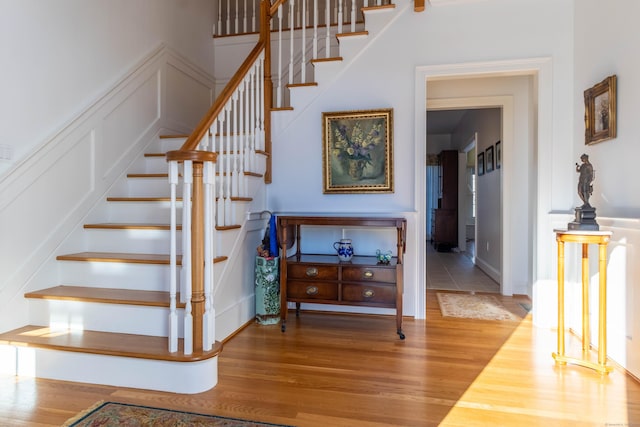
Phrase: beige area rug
(469, 306)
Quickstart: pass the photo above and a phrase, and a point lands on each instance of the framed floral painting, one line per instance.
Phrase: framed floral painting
(357, 151)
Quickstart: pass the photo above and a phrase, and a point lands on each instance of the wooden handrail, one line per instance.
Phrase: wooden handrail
(264, 43)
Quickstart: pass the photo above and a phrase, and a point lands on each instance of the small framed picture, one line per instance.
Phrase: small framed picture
(489, 160)
(498, 155)
(481, 164)
(600, 111)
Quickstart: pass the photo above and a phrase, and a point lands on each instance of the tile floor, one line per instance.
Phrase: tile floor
(454, 271)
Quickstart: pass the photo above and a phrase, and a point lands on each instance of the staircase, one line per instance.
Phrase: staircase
(108, 319)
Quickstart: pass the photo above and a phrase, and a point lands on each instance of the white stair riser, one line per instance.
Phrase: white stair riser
(131, 240)
(146, 241)
(150, 165)
(160, 375)
(92, 316)
(140, 212)
(151, 187)
(350, 46)
(376, 20)
(146, 277)
(166, 144)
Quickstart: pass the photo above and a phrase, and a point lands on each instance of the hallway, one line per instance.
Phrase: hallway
(454, 271)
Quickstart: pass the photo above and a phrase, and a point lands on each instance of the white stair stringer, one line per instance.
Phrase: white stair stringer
(149, 374)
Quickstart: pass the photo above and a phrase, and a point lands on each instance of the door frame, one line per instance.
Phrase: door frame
(541, 69)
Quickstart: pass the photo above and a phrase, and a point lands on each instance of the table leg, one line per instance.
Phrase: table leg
(602, 306)
(560, 298)
(586, 339)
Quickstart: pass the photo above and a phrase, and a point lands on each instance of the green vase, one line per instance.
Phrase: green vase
(267, 290)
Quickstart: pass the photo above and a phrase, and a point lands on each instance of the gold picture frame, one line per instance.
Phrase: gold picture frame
(357, 155)
(600, 111)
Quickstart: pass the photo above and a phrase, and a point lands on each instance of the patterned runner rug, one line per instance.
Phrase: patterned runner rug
(122, 414)
(470, 306)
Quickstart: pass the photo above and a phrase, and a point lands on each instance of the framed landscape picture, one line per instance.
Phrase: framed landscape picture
(357, 155)
(481, 164)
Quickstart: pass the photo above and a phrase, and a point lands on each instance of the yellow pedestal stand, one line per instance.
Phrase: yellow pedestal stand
(601, 238)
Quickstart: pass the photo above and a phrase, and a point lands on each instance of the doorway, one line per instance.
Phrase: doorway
(461, 268)
(527, 135)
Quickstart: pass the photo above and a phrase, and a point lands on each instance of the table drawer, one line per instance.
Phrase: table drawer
(369, 292)
(312, 271)
(312, 290)
(374, 274)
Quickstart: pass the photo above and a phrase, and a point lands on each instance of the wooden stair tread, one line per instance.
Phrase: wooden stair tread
(162, 259)
(173, 136)
(148, 175)
(105, 343)
(141, 226)
(131, 226)
(142, 199)
(105, 295)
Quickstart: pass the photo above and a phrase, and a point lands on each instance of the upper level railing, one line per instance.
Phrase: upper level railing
(236, 17)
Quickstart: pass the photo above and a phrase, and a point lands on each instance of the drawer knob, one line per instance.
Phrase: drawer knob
(368, 293)
(368, 274)
(312, 271)
(312, 290)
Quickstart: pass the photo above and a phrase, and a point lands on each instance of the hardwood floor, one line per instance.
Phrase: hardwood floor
(352, 370)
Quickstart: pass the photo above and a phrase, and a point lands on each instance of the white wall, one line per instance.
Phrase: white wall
(383, 76)
(487, 123)
(112, 92)
(605, 43)
(59, 57)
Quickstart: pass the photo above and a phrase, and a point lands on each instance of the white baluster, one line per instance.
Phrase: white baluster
(173, 286)
(220, 163)
(252, 117)
(234, 152)
(291, 38)
(256, 4)
(208, 333)
(242, 136)
(219, 26)
(228, 20)
(279, 91)
(327, 23)
(186, 255)
(236, 25)
(340, 16)
(227, 168)
(353, 16)
(315, 29)
(244, 17)
(303, 71)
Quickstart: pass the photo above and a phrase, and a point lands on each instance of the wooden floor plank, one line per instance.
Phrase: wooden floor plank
(352, 370)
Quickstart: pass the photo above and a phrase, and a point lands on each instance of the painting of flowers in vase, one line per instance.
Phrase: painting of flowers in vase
(357, 155)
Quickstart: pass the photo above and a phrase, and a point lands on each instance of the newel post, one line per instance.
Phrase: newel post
(198, 158)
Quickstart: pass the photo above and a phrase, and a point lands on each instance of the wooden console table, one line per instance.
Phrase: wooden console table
(323, 279)
(601, 238)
